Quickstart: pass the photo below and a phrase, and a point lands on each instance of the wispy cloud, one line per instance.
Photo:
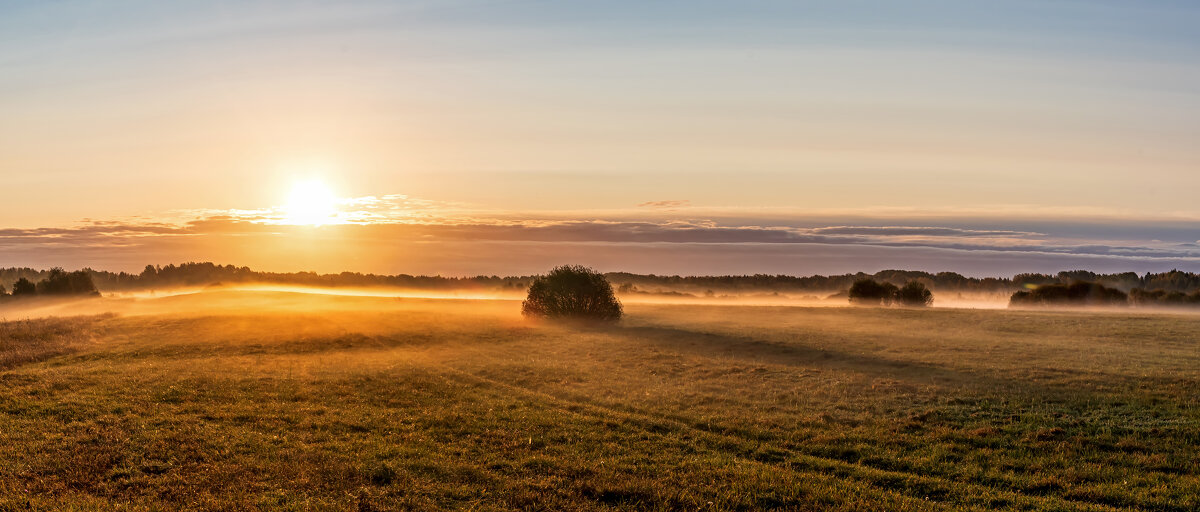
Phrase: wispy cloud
(536, 230)
(671, 204)
(383, 228)
(919, 231)
(389, 208)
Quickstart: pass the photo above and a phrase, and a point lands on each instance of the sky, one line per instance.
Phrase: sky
(671, 137)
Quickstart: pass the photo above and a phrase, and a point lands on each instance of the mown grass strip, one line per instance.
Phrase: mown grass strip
(898, 483)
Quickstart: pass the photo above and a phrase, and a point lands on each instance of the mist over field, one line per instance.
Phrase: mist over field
(127, 292)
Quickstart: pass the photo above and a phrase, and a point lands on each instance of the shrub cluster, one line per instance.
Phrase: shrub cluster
(1141, 297)
(1080, 293)
(59, 282)
(869, 292)
(572, 291)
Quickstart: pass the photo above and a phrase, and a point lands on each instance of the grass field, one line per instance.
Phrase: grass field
(283, 401)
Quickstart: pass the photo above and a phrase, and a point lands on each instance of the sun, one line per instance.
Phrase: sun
(310, 203)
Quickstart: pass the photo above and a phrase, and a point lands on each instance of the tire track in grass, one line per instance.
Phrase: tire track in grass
(599, 414)
(905, 485)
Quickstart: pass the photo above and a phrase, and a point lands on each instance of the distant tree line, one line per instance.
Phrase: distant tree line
(1142, 297)
(778, 283)
(57, 282)
(1088, 293)
(204, 274)
(1172, 281)
(1079, 293)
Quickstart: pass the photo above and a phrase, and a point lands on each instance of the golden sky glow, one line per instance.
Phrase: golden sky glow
(721, 114)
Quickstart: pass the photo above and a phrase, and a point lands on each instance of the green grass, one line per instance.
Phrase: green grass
(375, 404)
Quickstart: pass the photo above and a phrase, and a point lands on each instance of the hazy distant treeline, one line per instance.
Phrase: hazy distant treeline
(1078, 293)
(204, 274)
(1171, 284)
(1084, 293)
(1173, 281)
(57, 282)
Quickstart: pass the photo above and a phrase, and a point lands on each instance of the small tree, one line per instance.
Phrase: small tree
(572, 291)
(24, 287)
(869, 292)
(914, 294)
(61, 282)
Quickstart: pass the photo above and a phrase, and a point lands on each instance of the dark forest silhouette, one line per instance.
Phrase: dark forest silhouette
(1169, 288)
(57, 282)
(1079, 293)
(869, 292)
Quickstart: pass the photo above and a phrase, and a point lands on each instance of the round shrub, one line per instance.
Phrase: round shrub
(869, 292)
(24, 287)
(572, 291)
(914, 294)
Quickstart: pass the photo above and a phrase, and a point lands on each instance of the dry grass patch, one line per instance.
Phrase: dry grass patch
(30, 340)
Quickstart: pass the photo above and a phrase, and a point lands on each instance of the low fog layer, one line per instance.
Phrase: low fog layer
(263, 299)
(276, 299)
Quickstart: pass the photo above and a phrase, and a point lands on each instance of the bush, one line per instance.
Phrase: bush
(869, 292)
(1074, 294)
(61, 282)
(24, 287)
(914, 294)
(572, 291)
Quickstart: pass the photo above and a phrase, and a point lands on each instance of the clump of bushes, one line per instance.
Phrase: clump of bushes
(59, 282)
(869, 292)
(1075, 294)
(24, 287)
(572, 291)
(914, 294)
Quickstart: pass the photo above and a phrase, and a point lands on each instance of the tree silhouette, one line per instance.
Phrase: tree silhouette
(61, 282)
(572, 291)
(1079, 293)
(914, 294)
(24, 287)
(869, 292)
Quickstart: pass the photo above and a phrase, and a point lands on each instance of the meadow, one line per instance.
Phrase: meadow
(284, 401)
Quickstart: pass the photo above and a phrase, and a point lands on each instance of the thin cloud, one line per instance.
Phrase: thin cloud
(920, 231)
(379, 227)
(646, 232)
(666, 205)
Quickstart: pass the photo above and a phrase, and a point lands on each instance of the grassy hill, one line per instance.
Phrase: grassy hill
(246, 401)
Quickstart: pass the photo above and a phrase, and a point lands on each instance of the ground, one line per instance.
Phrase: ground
(277, 401)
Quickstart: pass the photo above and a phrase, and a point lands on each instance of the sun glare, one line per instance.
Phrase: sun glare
(311, 203)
